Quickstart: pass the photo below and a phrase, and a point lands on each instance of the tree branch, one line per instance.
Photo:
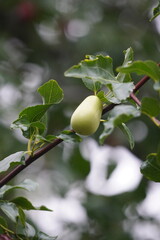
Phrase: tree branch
(135, 99)
(28, 161)
(141, 83)
(56, 142)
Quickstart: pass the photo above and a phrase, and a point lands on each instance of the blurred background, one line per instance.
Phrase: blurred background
(96, 192)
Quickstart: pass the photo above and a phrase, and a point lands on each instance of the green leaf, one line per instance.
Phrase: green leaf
(50, 138)
(21, 123)
(94, 70)
(51, 92)
(43, 208)
(22, 216)
(128, 59)
(29, 120)
(78, 165)
(10, 210)
(92, 85)
(3, 222)
(43, 236)
(25, 204)
(28, 128)
(32, 120)
(118, 93)
(102, 96)
(150, 106)
(69, 136)
(120, 114)
(28, 230)
(123, 113)
(108, 129)
(109, 96)
(47, 139)
(151, 168)
(34, 113)
(148, 68)
(156, 11)
(27, 184)
(99, 71)
(34, 128)
(11, 160)
(128, 134)
(128, 56)
(122, 91)
(38, 125)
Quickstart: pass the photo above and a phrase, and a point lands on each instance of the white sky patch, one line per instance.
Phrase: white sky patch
(9, 95)
(49, 34)
(157, 23)
(142, 230)
(65, 210)
(77, 28)
(151, 205)
(32, 76)
(125, 177)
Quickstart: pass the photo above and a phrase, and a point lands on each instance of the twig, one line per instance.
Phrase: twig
(135, 99)
(108, 108)
(28, 161)
(141, 83)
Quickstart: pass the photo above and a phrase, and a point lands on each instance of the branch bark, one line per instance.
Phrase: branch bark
(56, 142)
(135, 99)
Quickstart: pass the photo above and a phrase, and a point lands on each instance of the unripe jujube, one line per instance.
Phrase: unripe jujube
(86, 118)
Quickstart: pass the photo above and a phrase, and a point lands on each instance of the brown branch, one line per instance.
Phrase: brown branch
(108, 108)
(28, 161)
(5, 237)
(141, 83)
(56, 142)
(135, 99)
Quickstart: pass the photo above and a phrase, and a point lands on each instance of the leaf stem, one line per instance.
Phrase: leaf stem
(29, 151)
(6, 229)
(156, 121)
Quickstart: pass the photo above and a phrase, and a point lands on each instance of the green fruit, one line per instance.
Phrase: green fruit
(86, 118)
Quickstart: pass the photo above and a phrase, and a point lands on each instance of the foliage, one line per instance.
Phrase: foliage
(151, 167)
(26, 48)
(15, 211)
(156, 11)
(97, 75)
